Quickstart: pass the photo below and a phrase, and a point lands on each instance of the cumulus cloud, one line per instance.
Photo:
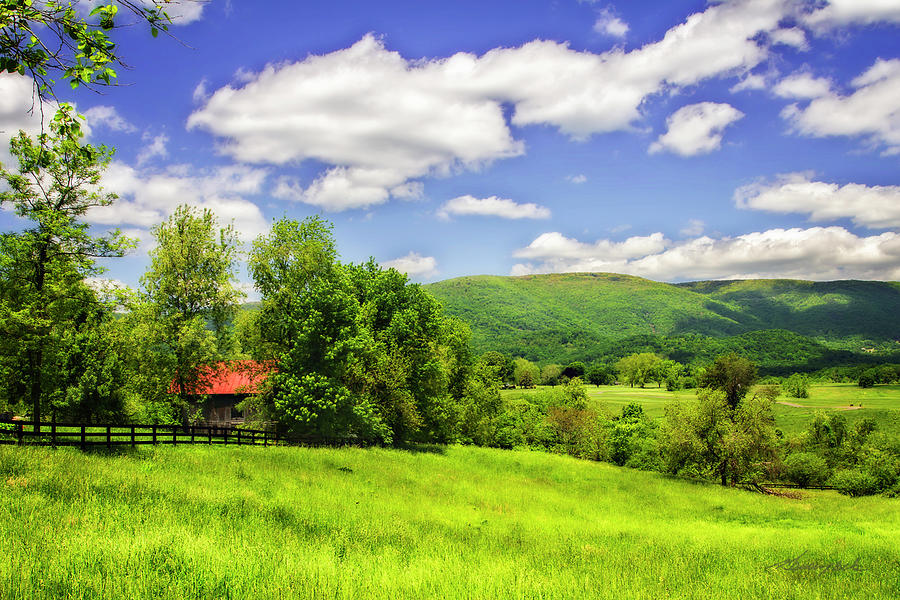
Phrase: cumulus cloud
(379, 121)
(146, 199)
(871, 111)
(156, 147)
(608, 23)
(580, 178)
(802, 85)
(109, 117)
(696, 129)
(875, 207)
(838, 13)
(415, 265)
(816, 253)
(492, 207)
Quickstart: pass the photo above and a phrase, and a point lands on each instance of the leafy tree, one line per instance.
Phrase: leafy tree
(502, 365)
(632, 438)
(189, 294)
(639, 369)
(712, 439)
(805, 469)
(359, 351)
(550, 374)
(41, 38)
(599, 373)
(732, 374)
(574, 369)
(797, 385)
(526, 373)
(43, 268)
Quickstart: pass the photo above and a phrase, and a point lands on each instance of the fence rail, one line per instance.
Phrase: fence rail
(92, 435)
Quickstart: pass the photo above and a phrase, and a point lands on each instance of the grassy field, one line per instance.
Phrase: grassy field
(881, 403)
(456, 522)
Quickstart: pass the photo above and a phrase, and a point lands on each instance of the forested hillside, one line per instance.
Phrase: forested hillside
(571, 316)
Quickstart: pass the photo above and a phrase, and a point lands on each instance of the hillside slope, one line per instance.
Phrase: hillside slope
(579, 315)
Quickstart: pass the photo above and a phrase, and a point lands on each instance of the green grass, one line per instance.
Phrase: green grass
(880, 403)
(199, 522)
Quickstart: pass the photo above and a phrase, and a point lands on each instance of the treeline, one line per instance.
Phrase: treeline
(726, 435)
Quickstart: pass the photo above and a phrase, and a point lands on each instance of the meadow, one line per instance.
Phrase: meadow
(792, 415)
(440, 522)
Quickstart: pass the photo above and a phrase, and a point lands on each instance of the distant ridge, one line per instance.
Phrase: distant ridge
(568, 316)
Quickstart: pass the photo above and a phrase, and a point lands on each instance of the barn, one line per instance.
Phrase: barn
(223, 386)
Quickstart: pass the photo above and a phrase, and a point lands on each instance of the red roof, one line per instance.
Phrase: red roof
(235, 377)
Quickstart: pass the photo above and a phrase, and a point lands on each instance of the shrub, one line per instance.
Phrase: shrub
(797, 386)
(805, 469)
(866, 380)
(854, 483)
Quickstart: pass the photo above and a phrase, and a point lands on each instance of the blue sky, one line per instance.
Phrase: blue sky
(670, 140)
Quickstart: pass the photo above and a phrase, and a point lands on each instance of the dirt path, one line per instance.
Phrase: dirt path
(790, 404)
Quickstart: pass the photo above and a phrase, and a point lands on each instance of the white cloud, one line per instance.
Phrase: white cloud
(694, 228)
(415, 265)
(146, 199)
(580, 178)
(109, 117)
(201, 92)
(817, 253)
(837, 13)
(793, 36)
(379, 121)
(156, 147)
(492, 207)
(871, 111)
(696, 129)
(802, 85)
(876, 207)
(750, 82)
(608, 23)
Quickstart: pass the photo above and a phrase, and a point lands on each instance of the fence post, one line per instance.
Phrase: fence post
(83, 444)
(132, 436)
(265, 438)
(108, 437)
(192, 433)
(209, 434)
(154, 434)
(239, 437)
(20, 433)
(53, 431)
(174, 435)
(225, 435)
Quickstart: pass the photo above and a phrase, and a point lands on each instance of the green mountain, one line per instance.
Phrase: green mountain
(584, 316)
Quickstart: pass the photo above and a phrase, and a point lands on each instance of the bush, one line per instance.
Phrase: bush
(866, 380)
(796, 386)
(855, 483)
(805, 469)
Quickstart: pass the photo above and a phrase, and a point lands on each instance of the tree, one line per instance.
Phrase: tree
(601, 374)
(43, 268)
(189, 293)
(640, 368)
(797, 386)
(732, 374)
(41, 38)
(359, 350)
(526, 373)
(502, 365)
(711, 439)
(550, 374)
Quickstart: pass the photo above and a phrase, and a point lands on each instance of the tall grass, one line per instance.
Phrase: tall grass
(199, 522)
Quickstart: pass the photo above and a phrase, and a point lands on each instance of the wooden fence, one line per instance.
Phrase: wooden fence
(91, 435)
